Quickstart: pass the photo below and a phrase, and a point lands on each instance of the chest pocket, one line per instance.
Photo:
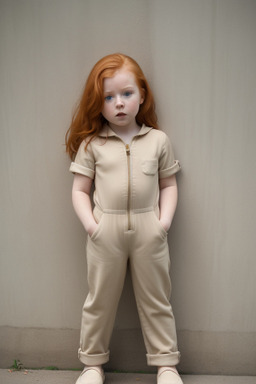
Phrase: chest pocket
(150, 166)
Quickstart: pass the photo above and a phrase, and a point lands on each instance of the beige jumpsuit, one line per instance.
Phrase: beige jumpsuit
(126, 208)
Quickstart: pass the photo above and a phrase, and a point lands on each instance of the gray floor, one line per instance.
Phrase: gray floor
(69, 377)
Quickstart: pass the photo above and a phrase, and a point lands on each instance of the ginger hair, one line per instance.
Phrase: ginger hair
(87, 120)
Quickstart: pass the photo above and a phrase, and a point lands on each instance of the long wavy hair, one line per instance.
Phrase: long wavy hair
(87, 120)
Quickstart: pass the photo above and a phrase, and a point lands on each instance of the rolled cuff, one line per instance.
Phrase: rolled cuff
(165, 359)
(77, 168)
(170, 171)
(98, 359)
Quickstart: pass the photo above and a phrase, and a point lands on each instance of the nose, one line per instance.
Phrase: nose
(119, 102)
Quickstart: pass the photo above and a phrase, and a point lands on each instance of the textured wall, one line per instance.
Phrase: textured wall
(200, 58)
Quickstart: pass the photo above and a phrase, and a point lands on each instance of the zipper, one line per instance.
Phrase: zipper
(127, 148)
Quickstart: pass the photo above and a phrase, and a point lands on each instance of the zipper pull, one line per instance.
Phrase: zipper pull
(127, 149)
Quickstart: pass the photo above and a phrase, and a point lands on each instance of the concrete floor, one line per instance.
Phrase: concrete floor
(69, 377)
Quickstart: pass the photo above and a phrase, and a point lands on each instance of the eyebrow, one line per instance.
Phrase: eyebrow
(127, 87)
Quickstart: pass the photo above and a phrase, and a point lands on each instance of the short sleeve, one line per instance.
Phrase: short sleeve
(84, 162)
(168, 166)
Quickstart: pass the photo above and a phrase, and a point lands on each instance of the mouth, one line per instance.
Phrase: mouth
(120, 114)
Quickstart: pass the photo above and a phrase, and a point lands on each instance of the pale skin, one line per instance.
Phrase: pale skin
(122, 99)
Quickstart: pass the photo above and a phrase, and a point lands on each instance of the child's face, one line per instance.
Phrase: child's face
(122, 100)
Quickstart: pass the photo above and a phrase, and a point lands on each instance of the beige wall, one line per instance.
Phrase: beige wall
(200, 58)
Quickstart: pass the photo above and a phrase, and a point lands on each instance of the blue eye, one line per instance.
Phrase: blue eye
(127, 93)
(108, 98)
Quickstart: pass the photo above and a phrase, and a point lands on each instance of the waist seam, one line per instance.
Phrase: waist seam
(124, 211)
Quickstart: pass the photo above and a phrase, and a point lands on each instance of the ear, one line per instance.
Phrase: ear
(142, 94)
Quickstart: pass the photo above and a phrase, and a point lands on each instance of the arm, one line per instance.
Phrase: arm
(168, 200)
(82, 202)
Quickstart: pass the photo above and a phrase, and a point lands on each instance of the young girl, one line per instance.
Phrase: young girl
(114, 141)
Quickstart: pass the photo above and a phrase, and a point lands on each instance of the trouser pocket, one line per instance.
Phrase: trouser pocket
(163, 233)
(99, 218)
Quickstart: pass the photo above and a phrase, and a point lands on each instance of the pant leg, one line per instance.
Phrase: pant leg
(107, 264)
(150, 264)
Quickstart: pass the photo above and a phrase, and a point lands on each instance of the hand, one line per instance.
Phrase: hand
(92, 228)
(165, 224)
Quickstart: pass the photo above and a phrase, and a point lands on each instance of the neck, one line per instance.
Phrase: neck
(126, 133)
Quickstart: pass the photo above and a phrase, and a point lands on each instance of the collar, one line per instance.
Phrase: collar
(108, 132)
